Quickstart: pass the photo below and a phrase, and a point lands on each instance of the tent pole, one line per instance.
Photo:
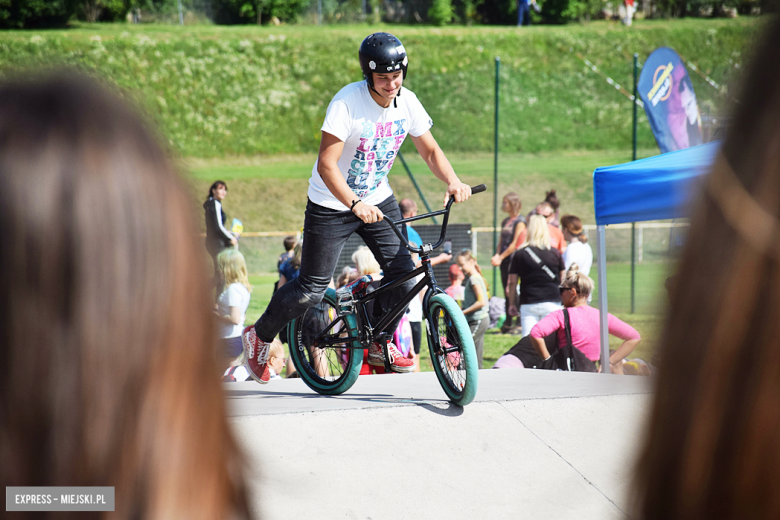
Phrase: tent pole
(633, 158)
(602, 264)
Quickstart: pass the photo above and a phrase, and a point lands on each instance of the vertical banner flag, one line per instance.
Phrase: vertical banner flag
(670, 103)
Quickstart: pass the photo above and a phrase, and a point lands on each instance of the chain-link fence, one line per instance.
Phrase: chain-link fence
(656, 248)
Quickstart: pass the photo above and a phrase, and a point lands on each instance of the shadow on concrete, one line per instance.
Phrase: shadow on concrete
(438, 406)
(445, 408)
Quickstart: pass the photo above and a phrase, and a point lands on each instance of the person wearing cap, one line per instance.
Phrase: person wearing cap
(365, 125)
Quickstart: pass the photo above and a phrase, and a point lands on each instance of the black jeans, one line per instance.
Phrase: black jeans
(324, 236)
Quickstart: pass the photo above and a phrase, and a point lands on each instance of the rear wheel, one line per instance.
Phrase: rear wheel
(319, 348)
(452, 350)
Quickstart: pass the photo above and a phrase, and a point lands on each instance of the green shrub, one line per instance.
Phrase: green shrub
(231, 12)
(440, 12)
(104, 10)
(36, 13)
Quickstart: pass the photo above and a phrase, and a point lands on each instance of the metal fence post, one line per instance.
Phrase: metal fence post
(495, 180)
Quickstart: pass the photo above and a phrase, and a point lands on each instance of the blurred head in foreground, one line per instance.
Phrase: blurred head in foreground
(107, 376)
(713, 446)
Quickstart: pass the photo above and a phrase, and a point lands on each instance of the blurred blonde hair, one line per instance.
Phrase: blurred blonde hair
(580, 281)
(276, 349)
(232, 265)
(538, 232)
(364, 261)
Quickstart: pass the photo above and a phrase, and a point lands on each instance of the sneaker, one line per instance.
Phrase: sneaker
(397, 362)
(256, 352)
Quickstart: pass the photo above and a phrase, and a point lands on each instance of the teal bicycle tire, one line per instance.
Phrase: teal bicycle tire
(302, 355)
(458, 375)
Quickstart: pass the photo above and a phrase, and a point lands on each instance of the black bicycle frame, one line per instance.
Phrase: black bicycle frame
(365, 329)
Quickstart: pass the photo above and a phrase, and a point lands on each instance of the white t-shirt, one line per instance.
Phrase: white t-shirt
(579, 253)
(372, 136)
(235, 295)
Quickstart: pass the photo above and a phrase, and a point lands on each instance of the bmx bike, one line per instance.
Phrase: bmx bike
(327, 341)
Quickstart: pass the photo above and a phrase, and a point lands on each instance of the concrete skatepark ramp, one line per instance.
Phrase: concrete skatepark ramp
(534, 444)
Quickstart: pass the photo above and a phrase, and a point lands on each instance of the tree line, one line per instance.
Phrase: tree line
(58, 13)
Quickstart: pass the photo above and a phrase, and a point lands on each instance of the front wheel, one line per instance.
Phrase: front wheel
(320, 348)
(452, 350)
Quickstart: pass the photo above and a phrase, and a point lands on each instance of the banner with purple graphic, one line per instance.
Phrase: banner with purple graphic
(670, 103)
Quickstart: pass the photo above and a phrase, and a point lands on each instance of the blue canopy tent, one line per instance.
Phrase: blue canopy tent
(655, 188)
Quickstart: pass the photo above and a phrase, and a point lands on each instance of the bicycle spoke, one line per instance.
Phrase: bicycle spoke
(450, 360)
(319, 326)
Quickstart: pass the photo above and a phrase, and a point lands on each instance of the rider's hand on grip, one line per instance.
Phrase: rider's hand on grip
(367, 213)
(459, 191)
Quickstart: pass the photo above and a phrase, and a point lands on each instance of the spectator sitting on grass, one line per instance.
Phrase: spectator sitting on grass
(584, 324)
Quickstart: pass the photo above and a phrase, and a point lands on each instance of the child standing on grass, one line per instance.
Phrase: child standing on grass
(475, 300)
(233, 302)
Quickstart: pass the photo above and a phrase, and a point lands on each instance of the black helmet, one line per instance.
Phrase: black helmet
(382, 53)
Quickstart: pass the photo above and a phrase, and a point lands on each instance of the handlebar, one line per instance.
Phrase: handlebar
(351, 217)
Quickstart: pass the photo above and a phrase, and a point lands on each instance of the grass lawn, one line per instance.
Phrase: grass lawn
(269, 194)
(243, 90)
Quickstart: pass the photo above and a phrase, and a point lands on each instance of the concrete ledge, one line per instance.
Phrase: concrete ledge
(533, 445)
(293, 396)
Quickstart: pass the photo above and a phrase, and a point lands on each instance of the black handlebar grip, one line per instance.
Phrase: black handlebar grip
(478, 189)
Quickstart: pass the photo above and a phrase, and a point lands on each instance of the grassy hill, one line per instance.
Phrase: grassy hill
(222, 91)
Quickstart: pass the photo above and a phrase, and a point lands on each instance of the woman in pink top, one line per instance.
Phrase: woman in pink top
(584, 321)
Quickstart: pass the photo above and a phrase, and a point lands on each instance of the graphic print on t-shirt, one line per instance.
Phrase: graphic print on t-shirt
(379, 144)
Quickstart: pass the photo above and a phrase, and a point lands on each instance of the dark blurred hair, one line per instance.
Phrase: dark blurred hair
(217, 184)
(107, 377)
(713, 449)
(289, 242)
(573, 225)
(552, 198)
(407, 206)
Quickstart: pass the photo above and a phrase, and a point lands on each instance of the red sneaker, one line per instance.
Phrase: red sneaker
(397, 362)
(256, 352)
